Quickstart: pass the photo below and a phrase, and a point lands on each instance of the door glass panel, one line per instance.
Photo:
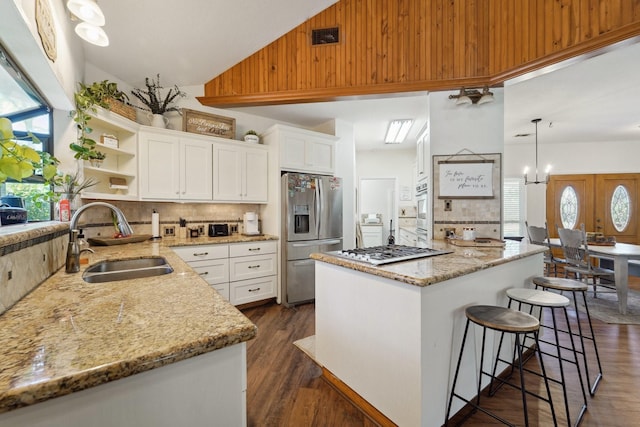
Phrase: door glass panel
(620, 208)
(569, 207)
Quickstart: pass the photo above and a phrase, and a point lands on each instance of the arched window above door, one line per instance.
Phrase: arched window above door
(569, 207)
(620, 208)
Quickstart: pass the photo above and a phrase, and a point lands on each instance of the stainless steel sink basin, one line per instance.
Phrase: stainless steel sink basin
(126, 269)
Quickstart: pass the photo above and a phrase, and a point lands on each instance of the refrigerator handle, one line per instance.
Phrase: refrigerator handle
(318, 205)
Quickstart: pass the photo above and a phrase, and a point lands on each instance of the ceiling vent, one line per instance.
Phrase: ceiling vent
(325, 36)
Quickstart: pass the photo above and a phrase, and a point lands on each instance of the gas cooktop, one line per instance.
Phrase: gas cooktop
(378, 255)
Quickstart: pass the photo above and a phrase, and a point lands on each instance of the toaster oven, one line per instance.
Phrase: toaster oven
(217, 230)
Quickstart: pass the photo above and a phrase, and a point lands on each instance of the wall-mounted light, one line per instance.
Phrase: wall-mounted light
(92, 19)
(397, 131)
(526, 169)
(473, 96)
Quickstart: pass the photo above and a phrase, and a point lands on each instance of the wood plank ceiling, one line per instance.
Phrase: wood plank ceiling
(390, 46)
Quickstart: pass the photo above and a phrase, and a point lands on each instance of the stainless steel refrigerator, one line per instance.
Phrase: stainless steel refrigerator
(311, 222)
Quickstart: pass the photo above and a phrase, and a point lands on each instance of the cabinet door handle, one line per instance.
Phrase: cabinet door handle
(200, 254)
(204, 273)
(254, 249)
(254, 266)
(254, 290)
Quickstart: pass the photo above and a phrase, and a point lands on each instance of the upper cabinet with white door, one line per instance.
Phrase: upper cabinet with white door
(174, 166)
(240, 172)
(301, 150)
(423, 156)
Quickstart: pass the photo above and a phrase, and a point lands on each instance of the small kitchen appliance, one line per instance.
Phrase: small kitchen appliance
(218, 230)
(250, 222)
(12, 210)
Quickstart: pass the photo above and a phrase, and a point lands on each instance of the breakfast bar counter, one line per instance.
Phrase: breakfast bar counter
(71, 340)
(391, 333)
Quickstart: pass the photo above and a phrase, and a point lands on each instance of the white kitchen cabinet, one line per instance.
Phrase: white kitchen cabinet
(301, 150)
(174, 167)
(423, 153)
(240, 173)
(241, 272)
(371, 235)
(120, 161)
(407, 237)
(253, 271)
(211, 262)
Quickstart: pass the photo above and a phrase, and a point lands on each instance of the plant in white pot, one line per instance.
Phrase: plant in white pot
(251, 136)
(156, 102)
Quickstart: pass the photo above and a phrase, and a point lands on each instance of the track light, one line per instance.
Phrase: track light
(92, 33)
(473, 96)
(87, 10)
(526, 169)
(92, 19)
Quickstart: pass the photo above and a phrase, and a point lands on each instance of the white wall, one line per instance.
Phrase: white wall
(479, 128)
(400, 164)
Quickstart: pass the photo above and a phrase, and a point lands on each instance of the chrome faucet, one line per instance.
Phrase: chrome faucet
(123, 225)
(73, 251)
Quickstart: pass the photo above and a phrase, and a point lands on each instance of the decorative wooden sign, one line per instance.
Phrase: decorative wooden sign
(208, 124)
(466, 179)
(46, 29)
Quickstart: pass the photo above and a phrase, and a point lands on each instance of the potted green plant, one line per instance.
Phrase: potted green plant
(71, 184)
(251, 136)
(157, 103)
(87, 99)
(21, 161)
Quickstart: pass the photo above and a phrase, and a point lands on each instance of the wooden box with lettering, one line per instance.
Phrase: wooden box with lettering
(208, 124)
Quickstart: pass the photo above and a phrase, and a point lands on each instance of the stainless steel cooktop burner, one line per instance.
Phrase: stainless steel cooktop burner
(378, 255)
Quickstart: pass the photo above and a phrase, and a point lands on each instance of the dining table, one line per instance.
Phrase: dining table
(620, 253)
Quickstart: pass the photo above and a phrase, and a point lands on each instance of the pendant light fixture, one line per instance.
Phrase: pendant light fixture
(526, 169)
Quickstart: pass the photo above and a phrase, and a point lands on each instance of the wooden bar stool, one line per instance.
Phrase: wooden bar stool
(540, 300)
(509, 321)
(576, 287)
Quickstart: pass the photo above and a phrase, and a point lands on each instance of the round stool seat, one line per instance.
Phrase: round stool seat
(560, 284)
(502, 318)
(538, 297)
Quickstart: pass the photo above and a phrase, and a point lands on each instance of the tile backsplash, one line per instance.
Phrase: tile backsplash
(96, 222)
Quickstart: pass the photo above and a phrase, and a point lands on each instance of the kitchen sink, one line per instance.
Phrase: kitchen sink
(126, 269)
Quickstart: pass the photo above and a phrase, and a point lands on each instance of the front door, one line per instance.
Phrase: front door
(570, 202)
(616, 206)
(604, 203)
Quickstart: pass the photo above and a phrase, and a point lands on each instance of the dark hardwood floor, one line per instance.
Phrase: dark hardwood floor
(285, 388)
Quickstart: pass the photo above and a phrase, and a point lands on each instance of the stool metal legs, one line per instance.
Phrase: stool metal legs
(558, 355)
(524, 392)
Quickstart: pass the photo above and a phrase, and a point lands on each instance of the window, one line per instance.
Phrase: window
(569, 207)
(27, 110)
(620, 208)
(513, 207)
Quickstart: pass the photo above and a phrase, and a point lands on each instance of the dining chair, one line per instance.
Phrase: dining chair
(578, 259)
(540, 236)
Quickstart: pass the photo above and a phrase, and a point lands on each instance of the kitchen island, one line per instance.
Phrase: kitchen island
(163, 351)
(392, 333)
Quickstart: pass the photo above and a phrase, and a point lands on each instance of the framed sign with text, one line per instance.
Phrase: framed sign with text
(466, 179)
(208, 124)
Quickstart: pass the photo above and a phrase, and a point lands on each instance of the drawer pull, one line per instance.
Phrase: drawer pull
(254, 290)
(204, 273)
(201, 253)
(254, 249)
(254, 266)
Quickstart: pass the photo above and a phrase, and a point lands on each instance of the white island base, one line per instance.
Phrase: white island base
(396, 345)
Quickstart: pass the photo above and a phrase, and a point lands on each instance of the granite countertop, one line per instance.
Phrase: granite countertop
(68, 335)
(430, 270)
